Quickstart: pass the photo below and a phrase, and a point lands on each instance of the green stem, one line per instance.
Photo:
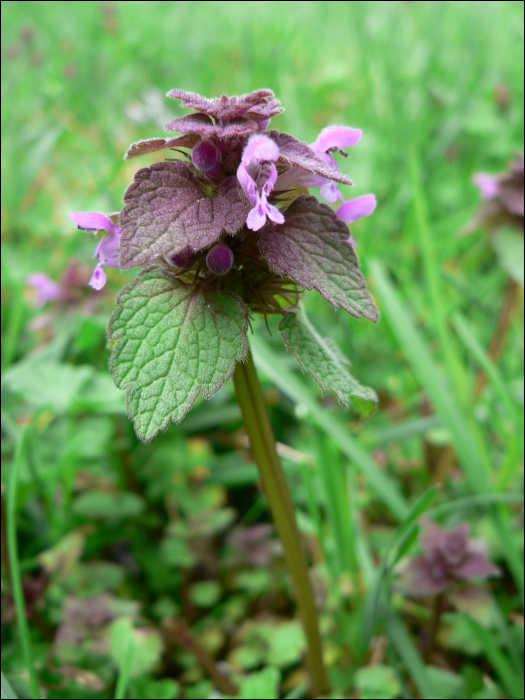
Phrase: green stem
(16, 579)
(262, 440)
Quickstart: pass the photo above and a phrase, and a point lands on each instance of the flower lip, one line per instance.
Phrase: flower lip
(356, 208)
(92, 221)
(334, 138)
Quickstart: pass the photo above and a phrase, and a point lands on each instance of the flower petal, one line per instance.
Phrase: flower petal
(98, 278)
(92, 220)
(488, 184)
(107, 251)
(45, 287)
(356, 208)
(336, 137)
(259, 148)
(330, 192)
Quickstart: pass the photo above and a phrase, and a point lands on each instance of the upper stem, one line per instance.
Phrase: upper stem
(262, 440)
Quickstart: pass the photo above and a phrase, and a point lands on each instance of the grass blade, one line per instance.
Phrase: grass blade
(472, 344)
(432, 379)
(16, 579)
(512, 683)
(407, 650)
(389, 560)
(7, 691)
(123, 678)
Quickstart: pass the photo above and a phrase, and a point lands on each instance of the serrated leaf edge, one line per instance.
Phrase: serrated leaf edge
(192, 397)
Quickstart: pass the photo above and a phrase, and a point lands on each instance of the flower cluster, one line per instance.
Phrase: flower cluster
(224, 228)
(449, 556)
(233, 201)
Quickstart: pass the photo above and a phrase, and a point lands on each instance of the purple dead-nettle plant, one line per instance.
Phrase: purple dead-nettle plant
(224, 230)
(448, 572)
(450, 557)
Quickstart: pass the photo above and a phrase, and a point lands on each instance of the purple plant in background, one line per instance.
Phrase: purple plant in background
(449, 557)
(45, 288)
(503, 197)
(501, 214)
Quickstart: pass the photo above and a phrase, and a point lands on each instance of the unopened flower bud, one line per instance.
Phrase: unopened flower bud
(183, 260)
(206, 157)
(219, 259)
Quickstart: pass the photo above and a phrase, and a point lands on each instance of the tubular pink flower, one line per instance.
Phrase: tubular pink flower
(45, 288)
(257, 175)
(107, 249)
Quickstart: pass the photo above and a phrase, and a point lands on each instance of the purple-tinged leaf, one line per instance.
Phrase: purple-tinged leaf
(166, 212)
(312, 247)
(325, 363)
(239, 204)
(157, 144)
(299, 154)
(202, 124)
(257, 105)
(173, 342)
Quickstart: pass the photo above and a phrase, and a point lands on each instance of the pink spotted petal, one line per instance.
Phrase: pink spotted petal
(98, 278)
(256, 218)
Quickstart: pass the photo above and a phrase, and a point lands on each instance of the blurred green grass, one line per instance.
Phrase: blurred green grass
(438, 83)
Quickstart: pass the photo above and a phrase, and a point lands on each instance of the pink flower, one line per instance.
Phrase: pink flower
(355, 209)
(257, 174)
(107, 249)
(333, 139)
(45, 288)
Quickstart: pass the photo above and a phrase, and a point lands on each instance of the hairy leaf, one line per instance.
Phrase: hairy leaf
(157, 144)
(256, 105)
(326, 363)
(312, 247)
(173, 342)
(166, 212)
(296, 153)
(202, 124)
